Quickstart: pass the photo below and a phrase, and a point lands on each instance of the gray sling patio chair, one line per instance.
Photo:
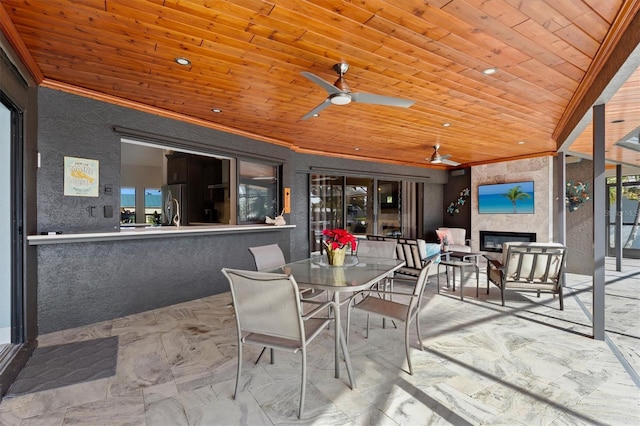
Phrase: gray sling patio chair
(271, 256)
(374, 303)
(269, 313)
(386, 249)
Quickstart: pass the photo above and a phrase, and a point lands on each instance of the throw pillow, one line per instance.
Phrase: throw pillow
(444, 232)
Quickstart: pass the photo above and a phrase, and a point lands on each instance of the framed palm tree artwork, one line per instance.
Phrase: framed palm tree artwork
(506, 198)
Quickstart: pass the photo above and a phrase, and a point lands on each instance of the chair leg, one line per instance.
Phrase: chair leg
(272, 356)
(235, 392)
(367, 335)
(502, 294)
(303, 387)
(561, 299)
(419, 335)
(406, 347)
(261, 353)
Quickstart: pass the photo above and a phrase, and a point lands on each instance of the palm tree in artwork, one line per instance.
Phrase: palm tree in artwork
(514, 194)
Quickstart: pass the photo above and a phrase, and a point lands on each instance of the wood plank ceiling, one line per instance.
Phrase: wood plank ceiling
(247, 55)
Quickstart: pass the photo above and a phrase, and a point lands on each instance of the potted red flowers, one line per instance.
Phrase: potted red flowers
(336, 243)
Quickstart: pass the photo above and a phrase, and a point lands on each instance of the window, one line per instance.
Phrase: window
(127, 205)
(208, 187)
(257, 192)
(152, 205)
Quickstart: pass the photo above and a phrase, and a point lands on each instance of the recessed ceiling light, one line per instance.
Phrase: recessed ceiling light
(617, 121)
(490, 71)
(356, 149)
(316, 115)
(446, 124)
(217, 110)
(520, 142)
(182, 61)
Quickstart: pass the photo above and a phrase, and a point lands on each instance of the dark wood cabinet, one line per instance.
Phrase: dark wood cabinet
(214, 184)
(177, 169)
(206, 183)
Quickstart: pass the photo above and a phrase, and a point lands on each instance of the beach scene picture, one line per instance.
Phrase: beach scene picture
(508, 198)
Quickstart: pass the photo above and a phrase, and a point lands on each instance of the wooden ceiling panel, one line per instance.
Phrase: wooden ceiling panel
(247, 55)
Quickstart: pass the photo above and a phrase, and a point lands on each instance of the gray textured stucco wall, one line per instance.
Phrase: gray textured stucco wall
(580, 223)
(71, 125)
(83, 283)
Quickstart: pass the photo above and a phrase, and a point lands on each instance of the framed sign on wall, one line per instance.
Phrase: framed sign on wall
(81, 177)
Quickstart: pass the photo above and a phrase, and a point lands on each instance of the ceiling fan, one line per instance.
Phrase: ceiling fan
(340, 93)
(436, 158)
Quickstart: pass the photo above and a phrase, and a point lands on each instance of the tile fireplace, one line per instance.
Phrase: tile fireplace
(493, 240)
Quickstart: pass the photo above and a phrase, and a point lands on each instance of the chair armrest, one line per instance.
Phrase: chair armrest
(381, 292)
(494, 263)
(316, 311)
(434, 257)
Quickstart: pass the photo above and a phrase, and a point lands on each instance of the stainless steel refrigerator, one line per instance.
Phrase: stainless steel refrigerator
(174, 200)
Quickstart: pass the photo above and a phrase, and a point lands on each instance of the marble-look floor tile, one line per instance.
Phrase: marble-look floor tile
(526, 363)
(116, 411)
(136, 373)
(54, 400)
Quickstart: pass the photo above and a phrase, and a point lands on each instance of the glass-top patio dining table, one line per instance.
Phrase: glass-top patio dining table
(358, 273)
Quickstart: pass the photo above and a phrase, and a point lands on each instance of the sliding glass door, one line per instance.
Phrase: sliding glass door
(11, 322)
(389, 209)
(630, 216)
(361, 205)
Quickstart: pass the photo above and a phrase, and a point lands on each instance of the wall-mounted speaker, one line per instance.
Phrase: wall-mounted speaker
(459, 172)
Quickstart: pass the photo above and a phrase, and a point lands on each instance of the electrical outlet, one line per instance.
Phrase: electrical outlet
(108, 211)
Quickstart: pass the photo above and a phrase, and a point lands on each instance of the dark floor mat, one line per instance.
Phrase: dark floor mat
(56, 366)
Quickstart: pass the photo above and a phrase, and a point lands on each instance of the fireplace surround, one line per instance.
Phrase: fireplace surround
(493, 240)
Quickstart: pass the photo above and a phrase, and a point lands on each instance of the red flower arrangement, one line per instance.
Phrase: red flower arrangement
(338, 238)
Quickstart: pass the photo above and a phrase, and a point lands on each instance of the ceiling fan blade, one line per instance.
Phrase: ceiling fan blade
(369, 98)
(330, 88)
(444, 157)
(317, 109)
(449, 162)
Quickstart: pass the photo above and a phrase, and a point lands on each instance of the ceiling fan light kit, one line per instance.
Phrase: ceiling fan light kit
(339, 93)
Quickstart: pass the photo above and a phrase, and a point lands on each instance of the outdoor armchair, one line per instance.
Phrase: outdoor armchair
(528, 267)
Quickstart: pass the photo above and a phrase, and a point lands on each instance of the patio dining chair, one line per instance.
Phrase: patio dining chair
(268, 312)
(271, 256)
(386, 249)
(374, 303)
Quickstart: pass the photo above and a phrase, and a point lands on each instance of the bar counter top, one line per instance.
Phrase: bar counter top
(133, 233)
